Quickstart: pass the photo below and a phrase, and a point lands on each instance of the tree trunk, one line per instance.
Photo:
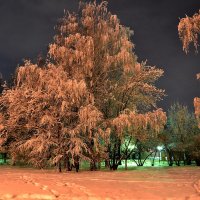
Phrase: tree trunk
(4, 157)
(107, 159)
(107, 163)
(154, 158)
(67, 164)
(169, 157)
(178, 157)
(59, 166)
(188, 159)
(140, 159)
(77, 166)
(93, 166)
(114, 156)
(197, 160)
(99, 165)
(119, 152)
(115, 166)
(126, 165)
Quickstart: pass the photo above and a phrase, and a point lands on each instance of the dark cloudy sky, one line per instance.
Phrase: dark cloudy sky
(27, 27)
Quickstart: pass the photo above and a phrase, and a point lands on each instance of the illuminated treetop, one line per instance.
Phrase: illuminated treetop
(189, 29)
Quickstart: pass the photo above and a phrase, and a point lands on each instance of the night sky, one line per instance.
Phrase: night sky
(27, 27)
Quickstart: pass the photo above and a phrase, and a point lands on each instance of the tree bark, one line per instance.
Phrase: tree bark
(4, 157)
(197, 160)
(59, 166)
(93, 166)
(169, 157)
(188, 159)
(126, 166)
(76, 164)
(154, 158)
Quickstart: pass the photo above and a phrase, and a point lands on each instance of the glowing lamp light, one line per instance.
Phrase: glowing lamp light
(160, 148)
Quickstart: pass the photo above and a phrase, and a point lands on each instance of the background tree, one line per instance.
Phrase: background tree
(142, 129)
(189, 30)
(178, 137)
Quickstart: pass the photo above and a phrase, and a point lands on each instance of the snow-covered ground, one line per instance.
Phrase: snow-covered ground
(176, 183)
